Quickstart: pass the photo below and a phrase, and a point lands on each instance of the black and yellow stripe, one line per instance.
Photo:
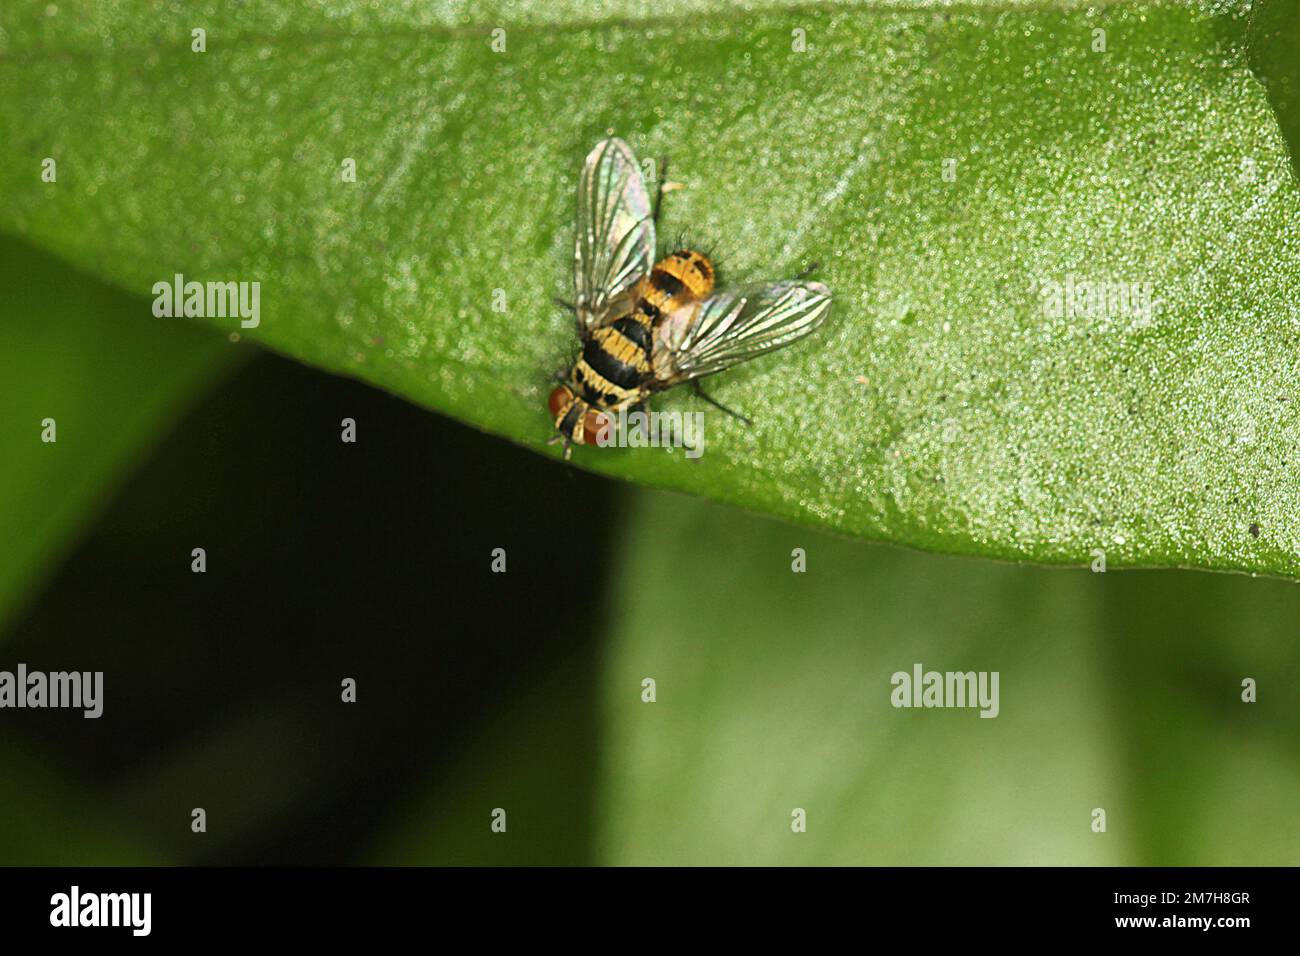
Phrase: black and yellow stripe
(682, 277)
(614, 369)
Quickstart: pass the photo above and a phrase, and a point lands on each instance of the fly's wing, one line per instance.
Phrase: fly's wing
(732, 327)
(615, 233)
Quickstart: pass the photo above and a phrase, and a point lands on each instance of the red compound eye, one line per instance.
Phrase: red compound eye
(560, 397)
(592, 423)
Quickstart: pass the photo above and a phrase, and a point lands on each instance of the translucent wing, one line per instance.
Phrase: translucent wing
(616, 234)
(732, 327)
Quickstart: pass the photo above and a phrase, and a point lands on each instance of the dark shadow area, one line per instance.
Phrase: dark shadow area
(325, 561)
(1273, 39)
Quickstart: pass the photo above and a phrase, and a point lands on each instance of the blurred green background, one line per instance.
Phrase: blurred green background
(523, 690)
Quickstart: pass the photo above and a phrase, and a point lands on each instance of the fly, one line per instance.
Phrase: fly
(647, 326)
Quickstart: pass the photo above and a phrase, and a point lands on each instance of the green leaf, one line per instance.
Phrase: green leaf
(947, 405)
(1273, 38)
(773, 692)
(532, 758)
(92, 359)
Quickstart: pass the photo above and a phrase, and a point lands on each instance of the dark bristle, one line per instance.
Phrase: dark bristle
(718, 256)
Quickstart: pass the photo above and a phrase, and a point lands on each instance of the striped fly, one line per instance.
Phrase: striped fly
(647, 326)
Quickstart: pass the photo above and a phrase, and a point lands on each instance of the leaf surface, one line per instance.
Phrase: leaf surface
(1066, 279)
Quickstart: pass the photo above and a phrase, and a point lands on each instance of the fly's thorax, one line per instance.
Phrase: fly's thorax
(621, 352)
(614, 366)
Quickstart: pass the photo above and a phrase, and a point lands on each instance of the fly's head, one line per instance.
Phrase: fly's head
(575, 418)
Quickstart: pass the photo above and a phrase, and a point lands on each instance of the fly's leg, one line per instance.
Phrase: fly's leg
(577, 319)
(659, 190)
(809, 271)
(568, 445)
(665, 186)
(699, 390)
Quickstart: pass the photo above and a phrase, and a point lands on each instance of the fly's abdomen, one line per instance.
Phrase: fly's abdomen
(682, 277)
